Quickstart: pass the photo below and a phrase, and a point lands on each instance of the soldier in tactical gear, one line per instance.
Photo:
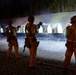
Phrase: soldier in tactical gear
(26, 39)
(11, 39)
(31, 41)
(71, 42)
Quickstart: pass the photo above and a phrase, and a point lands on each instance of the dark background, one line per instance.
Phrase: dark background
(20, 8)
(13, 8)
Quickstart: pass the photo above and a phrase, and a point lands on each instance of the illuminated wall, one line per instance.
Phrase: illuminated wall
(49, 29)
(40, 29)
(1, 29)
(56, 28)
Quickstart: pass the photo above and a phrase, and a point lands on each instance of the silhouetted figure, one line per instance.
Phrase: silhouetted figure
(11, 39)
(26, 39)
(30, 40)
(71, 42)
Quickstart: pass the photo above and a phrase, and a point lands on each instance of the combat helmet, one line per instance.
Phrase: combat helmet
(73, 19)
(9, 21)
(31, 18)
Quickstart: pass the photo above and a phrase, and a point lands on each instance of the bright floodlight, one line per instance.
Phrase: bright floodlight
(41, 29)
(57, 27)
(1, 30)
(18, 31)
(60, 30)
(49, 29)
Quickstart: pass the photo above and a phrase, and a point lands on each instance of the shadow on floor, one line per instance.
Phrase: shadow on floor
(20, 67)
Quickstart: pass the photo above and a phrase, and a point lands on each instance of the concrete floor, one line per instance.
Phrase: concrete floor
(47, 49)
(50, 57)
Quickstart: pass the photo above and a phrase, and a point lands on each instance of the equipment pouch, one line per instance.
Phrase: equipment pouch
(69, 44)
(8, 39)
(74, 44)
(27, 43)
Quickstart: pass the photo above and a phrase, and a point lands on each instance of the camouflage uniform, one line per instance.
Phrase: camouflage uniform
(71, 42)
(31, 41)
(12, 40)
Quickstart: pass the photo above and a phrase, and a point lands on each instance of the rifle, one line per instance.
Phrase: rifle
(24, 48)
(27, 44)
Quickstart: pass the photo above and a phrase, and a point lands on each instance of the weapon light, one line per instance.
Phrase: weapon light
(27, 31)
(9, 31)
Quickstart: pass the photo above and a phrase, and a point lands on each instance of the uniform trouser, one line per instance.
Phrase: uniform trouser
(68, 55)
(33, 50)
(11, 44)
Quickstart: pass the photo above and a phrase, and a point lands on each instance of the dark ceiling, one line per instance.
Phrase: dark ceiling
(13, 8)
